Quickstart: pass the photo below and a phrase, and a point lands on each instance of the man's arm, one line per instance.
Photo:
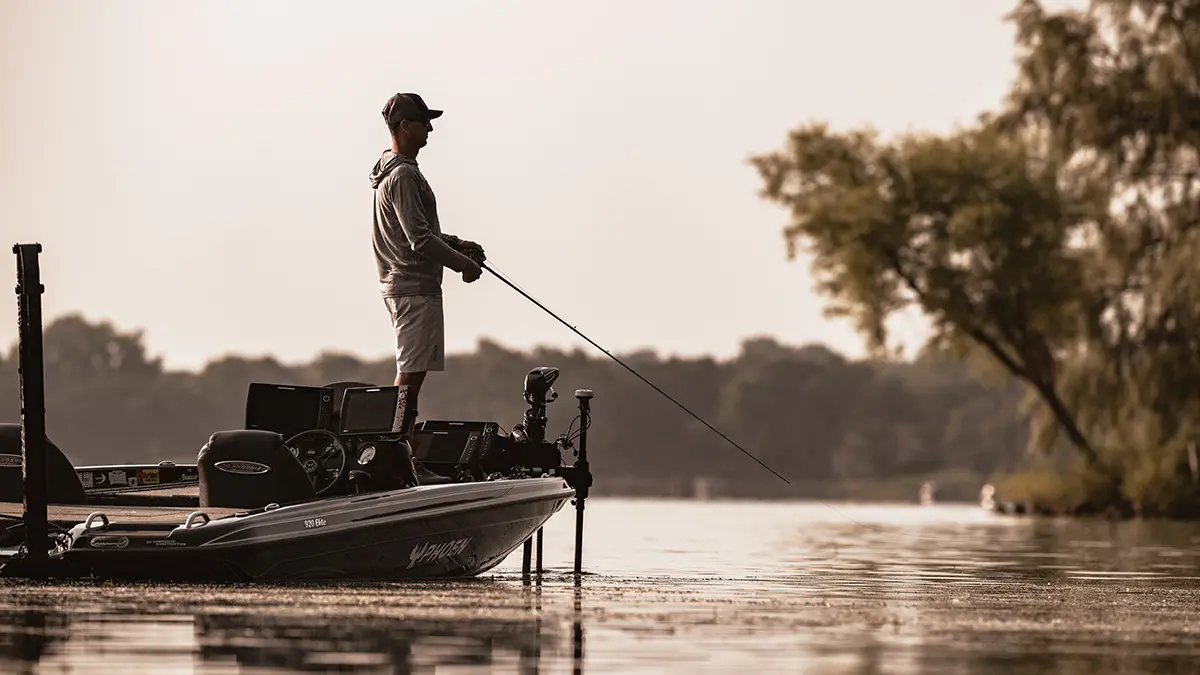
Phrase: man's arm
(415, 224)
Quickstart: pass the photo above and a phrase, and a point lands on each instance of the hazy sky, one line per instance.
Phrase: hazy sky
(199, 169)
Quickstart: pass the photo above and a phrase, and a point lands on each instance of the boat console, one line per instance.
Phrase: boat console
(350, 437)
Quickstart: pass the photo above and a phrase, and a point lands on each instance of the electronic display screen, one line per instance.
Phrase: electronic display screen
(369, 410)
(440, 447)
(285, 409)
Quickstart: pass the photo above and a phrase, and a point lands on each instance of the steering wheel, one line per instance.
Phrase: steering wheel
(323, 456)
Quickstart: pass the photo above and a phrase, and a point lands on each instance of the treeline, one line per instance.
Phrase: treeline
(836, 428)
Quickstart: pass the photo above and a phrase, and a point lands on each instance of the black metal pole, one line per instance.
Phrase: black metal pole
(33, 401)
(526, 551)
(583, 475)
(539, 550)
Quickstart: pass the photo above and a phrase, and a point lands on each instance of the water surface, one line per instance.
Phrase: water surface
(681, 587)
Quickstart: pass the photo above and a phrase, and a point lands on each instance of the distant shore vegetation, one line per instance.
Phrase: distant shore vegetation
(836, 428)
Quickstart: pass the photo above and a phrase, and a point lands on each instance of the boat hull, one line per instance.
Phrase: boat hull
(436, 531)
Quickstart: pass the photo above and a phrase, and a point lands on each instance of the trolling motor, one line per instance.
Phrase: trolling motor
(539, 391)
(526, 452)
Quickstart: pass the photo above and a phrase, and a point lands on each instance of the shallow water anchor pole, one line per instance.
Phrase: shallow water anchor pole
(539, 550)
(33, 402)
(582, 473)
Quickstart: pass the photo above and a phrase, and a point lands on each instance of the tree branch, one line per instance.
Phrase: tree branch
(1045, 389)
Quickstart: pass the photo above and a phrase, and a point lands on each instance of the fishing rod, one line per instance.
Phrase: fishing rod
(478, 257)
(626, 367)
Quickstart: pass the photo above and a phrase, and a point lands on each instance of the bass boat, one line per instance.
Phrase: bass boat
(329, 482)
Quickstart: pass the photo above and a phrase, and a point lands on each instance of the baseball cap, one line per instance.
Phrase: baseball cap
(407, 107)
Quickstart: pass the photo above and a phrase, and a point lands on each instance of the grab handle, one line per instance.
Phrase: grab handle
(192, 517)
(94, 515)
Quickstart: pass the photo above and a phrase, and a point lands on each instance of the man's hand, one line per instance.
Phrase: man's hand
(473, 251)
(465, 246)
(472, 272)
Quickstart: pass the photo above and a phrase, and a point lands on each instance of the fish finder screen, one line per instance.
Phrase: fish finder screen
(286, 410)
(366, 411)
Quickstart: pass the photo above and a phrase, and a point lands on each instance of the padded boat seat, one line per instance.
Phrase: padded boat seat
(62, 483)
(249, 469)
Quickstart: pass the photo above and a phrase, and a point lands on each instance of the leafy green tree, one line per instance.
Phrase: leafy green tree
(973, 229)
(74, 348)
(1113, 93)
(1055, 238)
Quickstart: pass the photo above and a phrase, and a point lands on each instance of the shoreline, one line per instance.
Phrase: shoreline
(638, 488)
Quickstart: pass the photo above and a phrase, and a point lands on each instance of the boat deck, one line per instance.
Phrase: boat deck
(149, 515)
(130, 506)
(192, 491)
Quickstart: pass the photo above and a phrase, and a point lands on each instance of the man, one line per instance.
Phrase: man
(410, 248)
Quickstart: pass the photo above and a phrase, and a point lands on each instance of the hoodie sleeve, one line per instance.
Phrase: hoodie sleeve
(413, 220)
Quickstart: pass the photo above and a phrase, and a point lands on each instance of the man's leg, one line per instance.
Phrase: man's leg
(419, 325)
(414, 380)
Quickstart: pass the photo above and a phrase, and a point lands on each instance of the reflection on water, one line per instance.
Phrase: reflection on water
(415, 628)
(687, 587)
(397, 645)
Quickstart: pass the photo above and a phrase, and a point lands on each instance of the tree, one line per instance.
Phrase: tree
(1114, 93)
(74, 349)
(1055, 237)
(975, 229)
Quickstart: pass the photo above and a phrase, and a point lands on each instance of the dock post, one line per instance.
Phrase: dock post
(33, 402)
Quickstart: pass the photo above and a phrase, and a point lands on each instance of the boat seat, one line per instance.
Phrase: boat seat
(249, 469)
(62, 483)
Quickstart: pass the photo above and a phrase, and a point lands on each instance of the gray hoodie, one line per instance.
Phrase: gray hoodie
(409, 250)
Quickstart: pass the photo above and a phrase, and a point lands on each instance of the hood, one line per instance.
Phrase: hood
(387, 161)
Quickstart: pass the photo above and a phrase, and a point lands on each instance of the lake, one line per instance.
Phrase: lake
(682, 587)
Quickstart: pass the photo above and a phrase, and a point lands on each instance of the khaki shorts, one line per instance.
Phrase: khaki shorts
(419, 325)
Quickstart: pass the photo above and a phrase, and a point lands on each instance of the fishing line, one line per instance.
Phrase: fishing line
(529, 297)
(513, 285)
